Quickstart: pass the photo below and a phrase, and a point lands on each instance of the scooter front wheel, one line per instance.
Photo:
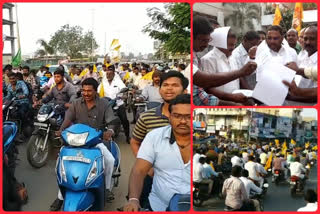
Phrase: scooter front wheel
(36, 156)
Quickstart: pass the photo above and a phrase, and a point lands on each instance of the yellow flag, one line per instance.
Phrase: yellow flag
(94, 68)
(293, 142)
(101, 92)
(277, 16)
(211, 164)
(307, 145)
(268, 163)
(83, 72)
(277, 142)
(114, 43)
(297, 17)
(284, 148)
(315, 148)
(148, 76)
(126, 76)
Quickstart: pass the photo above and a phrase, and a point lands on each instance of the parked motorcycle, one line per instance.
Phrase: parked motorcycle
(49, 119)
(80, 169)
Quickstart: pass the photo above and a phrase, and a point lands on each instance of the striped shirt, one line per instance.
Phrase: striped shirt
(148, 121)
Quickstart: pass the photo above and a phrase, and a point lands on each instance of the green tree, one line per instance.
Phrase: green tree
(243, 15)
(171, 28)
(46, 48)
(71, 40)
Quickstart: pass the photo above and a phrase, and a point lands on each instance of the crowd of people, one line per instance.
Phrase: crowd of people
(221, 68)
(250, 165)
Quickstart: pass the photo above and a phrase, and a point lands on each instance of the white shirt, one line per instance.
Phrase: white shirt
(198, 172)
(296, 169)
(111, 89)
(196, 158)
(236, 161)
(261, 169)
(134, 78)
(263, 158)
(245, 156)
(249, 185)
(217, 62)
(305, 61)
(310, 207)
(41, 73)
(252, 169)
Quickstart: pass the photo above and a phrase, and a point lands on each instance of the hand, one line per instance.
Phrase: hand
(248, 68)
(58, 133)
(239, 98)
(293, 89)
(252, 52)
(67, 105)
(293, 66)
(131, 206)
(107, 135)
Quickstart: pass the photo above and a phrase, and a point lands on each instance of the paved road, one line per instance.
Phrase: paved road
(42, 185)
(277, 199)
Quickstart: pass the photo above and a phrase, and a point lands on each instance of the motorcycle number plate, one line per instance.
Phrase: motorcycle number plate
(40, 124)
(276, 175)
(75, 158)
(292, 182)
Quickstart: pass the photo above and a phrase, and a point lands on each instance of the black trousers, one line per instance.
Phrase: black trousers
(122, 114)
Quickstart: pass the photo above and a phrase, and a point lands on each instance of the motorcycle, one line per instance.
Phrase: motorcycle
(143, 105)
(80, 169)
(200, 193)
(49, 119)
(259, 197)
(296, 185)
(278, 176)
(10, 112)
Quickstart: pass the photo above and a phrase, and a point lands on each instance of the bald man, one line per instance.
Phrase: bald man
(292, 38)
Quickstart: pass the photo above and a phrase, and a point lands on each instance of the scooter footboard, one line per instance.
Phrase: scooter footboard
(78, 201)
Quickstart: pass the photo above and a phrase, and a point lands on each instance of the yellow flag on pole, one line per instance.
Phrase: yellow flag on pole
(101, 92)
(277, 142)
(277, 16)
(307, 145)
(297, 17)
(293, 142)
(284, 148)
(148, 76)
(268, 163)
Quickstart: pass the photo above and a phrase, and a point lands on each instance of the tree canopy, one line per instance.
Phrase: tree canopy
(171, 28)
(71, 40)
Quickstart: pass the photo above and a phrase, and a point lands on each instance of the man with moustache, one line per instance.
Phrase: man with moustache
(292, 38)
(167, 150)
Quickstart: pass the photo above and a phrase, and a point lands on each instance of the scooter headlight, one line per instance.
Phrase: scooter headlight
(63, 171)
(93, 173)
(308, 167)
(265, 185)
(77, 139)
(42, 117)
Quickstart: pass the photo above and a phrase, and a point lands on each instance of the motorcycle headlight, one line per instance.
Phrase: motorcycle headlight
(42, 117)
(77, 139)
(63, 171)
(93, 173)
(265, 185)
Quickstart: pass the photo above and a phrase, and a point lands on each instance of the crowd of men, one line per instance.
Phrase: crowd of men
(250, 166)
(161, 173)
(220, 68)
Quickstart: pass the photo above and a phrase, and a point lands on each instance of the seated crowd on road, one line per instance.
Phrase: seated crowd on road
(99, 95)
(238, 172)
(224, 63)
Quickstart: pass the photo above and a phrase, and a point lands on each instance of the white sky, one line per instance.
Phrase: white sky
(309, 112)
(118, 20)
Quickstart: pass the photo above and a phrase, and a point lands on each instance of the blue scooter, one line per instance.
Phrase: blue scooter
(80, 169)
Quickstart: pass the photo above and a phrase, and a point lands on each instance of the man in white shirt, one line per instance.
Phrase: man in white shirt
(307, 58)
(297, 169)
(263, 157)
(199, 174)
(112, 87)
(135, 76)
(251, 188)
(242, 54)
(310, 197)
(253, 170)
(237, 161)
(218, 61)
